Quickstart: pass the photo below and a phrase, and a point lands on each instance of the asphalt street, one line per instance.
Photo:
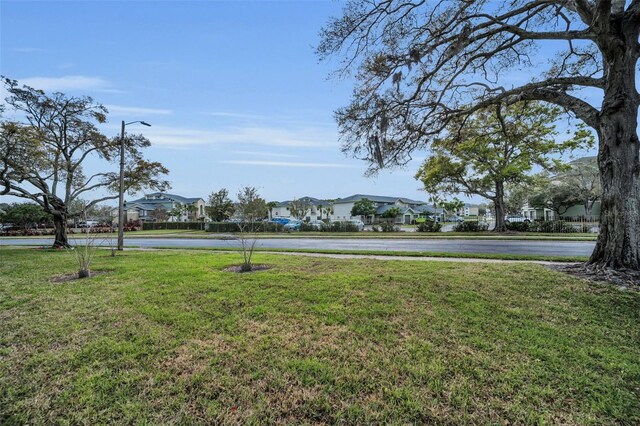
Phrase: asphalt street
(549, 248)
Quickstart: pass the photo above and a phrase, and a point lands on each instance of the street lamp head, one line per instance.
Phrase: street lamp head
(144, 123)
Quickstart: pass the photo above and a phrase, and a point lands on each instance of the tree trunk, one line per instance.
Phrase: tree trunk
(60, 223)
(618, 244)
(499, 205)
(588, 207)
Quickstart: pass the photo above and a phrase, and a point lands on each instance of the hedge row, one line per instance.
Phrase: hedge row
(251, 227)
(554, 226)
(330, 227)
(194, 226)
(470, 226)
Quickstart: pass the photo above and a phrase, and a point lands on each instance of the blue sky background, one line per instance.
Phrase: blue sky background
(234, 91)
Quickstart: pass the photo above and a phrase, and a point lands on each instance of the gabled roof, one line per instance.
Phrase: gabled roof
(377, 199)
(404, 210)
(148, 206)
(162, 197)
(311, 200)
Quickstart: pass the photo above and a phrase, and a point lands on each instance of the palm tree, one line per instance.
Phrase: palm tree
(271, 205)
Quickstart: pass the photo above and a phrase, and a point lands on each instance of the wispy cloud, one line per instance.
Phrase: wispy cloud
(265, 154)
(235, 136)
(24, 49)
(69, 83)
(119, 109)
(288, 164)
(226, 114)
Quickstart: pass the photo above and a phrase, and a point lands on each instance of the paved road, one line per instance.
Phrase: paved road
(548, 248)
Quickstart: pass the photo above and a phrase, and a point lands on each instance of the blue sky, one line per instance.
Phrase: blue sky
(233, 90)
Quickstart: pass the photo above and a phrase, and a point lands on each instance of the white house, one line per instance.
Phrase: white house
(471, 210)
(314, 213)
(409, 209)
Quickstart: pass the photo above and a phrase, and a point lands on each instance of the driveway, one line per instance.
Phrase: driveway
(547, 248)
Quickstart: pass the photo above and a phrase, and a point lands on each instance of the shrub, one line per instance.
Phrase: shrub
(470, 226)
(307, 227)
(148, 226)
(429, 226)
(517, 226)
(553, 226)
(389, 227)
(226, 227)
(340, 227)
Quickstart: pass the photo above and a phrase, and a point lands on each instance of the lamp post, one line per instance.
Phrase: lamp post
(121, 188)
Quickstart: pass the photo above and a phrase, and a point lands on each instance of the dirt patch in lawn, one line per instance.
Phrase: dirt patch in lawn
(254, 268)
(57, 279)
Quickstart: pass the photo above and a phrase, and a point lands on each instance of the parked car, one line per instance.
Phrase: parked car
(7, 227)
(88, 224)
(456, 219)
(513, 218)
(293, 225)
(280, 220)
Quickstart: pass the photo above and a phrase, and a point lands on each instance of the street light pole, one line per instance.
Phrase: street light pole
(121, 187)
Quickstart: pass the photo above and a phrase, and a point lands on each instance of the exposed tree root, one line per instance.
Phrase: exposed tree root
(624, 279)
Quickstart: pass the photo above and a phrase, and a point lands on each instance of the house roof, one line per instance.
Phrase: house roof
(162, 198)
(376, 199)
(403, 210)
(311, 200)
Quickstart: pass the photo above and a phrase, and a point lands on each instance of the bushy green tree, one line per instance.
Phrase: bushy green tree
(220, 206)
(391, 213)
(250, 205)
(24, 215)
(495, 147)
(364, 207)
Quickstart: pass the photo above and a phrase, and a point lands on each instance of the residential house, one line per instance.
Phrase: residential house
(590, 180)
(410, 210)
(471, 210)
(141, 209)
(577, 211)
(314, 213)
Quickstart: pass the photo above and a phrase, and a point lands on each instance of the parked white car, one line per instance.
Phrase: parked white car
(513, 218)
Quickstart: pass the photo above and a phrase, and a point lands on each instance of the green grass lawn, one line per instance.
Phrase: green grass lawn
(169, 337)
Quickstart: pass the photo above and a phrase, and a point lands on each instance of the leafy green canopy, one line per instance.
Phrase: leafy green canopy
(364, 207)
(220, 206)
(496, 146)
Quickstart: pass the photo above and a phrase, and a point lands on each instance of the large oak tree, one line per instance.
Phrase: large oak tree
(44, 149)
(421, 64)
(496, 147)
